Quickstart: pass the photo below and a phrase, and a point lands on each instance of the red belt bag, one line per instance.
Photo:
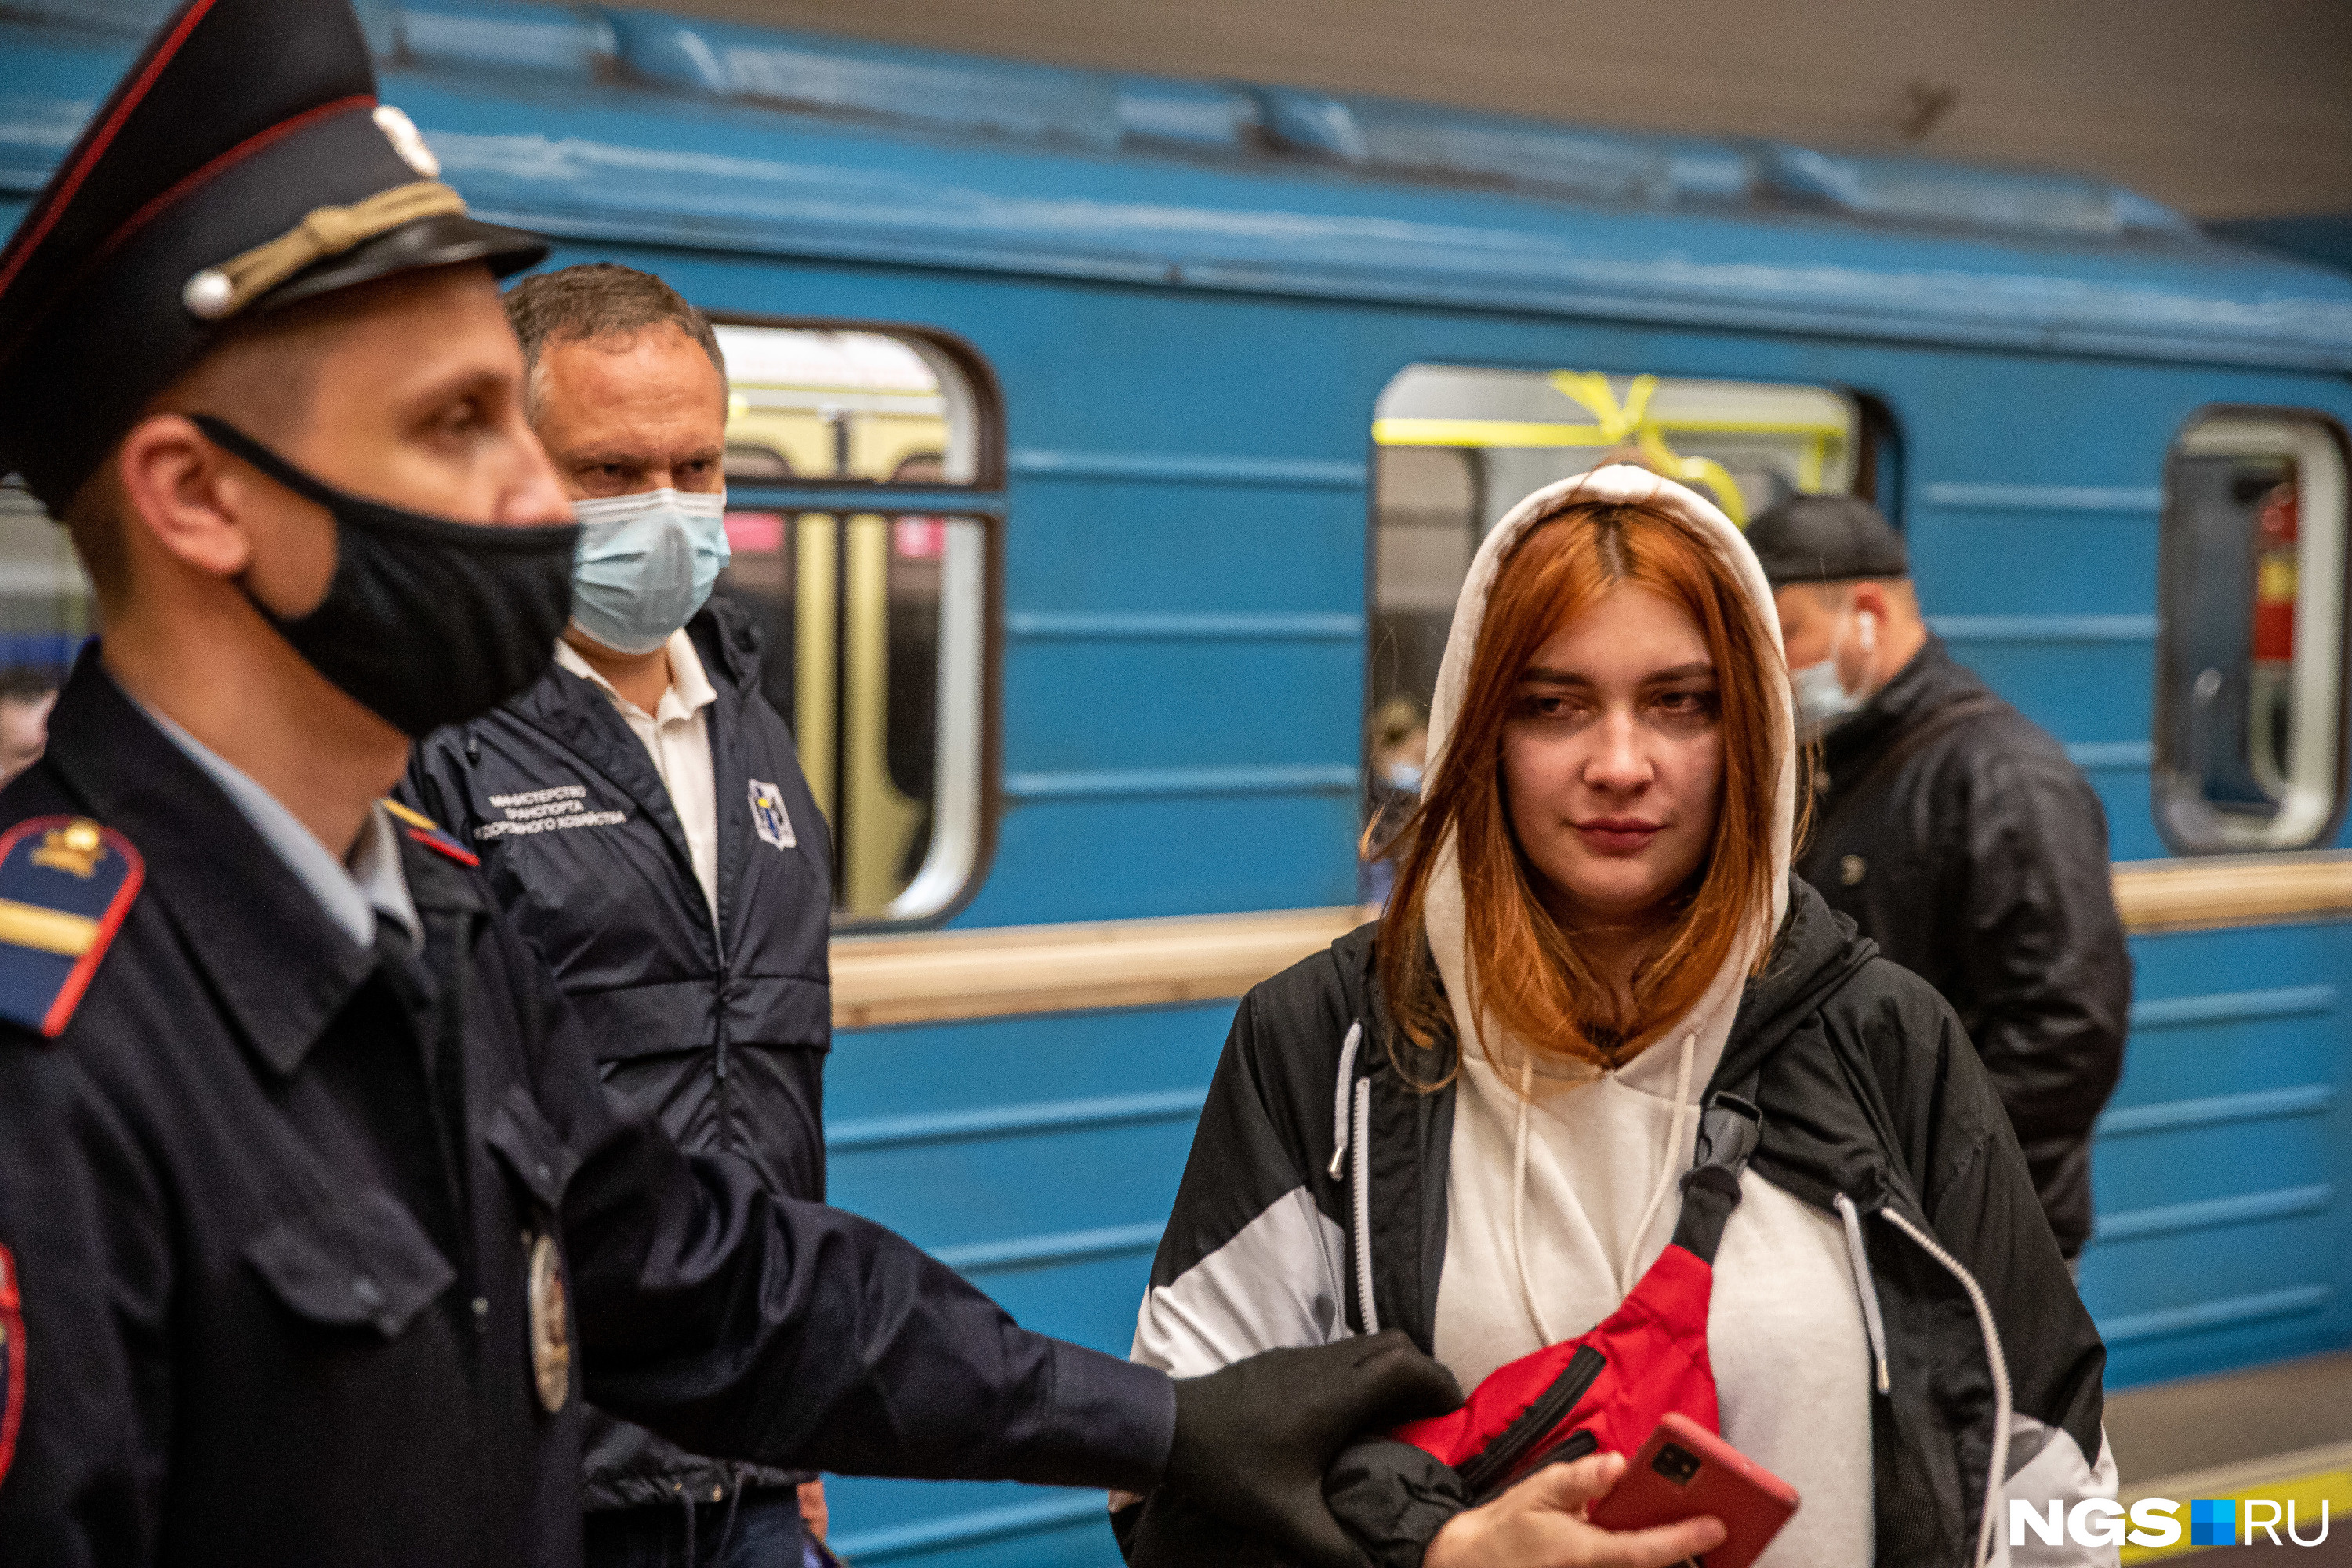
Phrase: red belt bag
(1608, 1387)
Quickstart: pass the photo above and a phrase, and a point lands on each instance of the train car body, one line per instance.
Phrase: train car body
(1172, 312)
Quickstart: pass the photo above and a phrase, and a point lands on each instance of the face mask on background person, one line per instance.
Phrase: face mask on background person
(426, 622)
(646, 563)
(1823, 701)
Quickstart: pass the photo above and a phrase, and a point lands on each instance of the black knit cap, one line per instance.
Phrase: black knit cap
(242, 164)
(1826, 539)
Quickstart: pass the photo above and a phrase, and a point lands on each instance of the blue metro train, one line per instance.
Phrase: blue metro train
(1104, 449)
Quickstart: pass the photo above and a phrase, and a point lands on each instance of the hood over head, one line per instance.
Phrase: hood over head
(1618, 483)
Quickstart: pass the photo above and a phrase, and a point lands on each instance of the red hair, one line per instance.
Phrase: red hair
(1524, 969)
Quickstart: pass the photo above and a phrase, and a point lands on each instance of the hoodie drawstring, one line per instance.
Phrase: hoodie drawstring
(1519, 1204)
(1997, 1469)
(1670, 1171)
(1865, 1286)
(1339, 1096)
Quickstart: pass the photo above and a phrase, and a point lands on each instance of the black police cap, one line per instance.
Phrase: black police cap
(243, 164)
(1826, 539)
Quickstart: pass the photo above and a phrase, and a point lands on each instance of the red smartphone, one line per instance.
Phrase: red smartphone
(1684, 1471)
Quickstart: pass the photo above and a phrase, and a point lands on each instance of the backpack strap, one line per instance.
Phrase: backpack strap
(1729, 1126)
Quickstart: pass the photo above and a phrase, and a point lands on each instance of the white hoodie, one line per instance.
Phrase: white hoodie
(1556, 1205)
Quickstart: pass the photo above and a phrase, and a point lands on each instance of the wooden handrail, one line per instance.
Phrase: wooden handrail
(1065, 968)
(940, 976)
(2233, 890)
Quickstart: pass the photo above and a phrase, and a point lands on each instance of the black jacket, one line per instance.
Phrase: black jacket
(1870, 1092)
(723, 1041)
(1959, 837)
(296, 1326)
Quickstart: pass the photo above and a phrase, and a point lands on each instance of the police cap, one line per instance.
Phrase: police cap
(243, 164)
(1826, 539)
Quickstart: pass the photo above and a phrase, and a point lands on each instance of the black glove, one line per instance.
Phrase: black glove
(1252, 1439)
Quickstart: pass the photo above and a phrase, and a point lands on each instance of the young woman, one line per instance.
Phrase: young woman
(1612, 1110)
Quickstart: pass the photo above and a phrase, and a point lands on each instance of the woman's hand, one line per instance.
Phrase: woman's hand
(1539, 1523)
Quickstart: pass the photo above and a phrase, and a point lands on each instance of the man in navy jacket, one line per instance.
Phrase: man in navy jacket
(641, 816)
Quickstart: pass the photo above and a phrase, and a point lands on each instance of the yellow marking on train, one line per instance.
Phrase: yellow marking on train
(46, 931)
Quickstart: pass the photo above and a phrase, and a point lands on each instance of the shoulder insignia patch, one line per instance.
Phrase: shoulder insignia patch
(65, 884)
(12, 1361)
(431, 834)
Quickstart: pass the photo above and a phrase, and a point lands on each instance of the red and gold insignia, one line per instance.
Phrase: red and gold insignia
(65, 884)
(431, 834)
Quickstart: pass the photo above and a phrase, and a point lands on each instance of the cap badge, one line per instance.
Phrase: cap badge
(407, 141)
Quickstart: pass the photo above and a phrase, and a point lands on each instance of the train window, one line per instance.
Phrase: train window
(44, 604)
(2249, 694)
(1456, 448)
(875, 617)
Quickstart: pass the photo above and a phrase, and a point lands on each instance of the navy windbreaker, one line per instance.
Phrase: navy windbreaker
(719, 1034)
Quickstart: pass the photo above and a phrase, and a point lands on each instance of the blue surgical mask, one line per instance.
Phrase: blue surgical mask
(1823, 701)
(647, 563)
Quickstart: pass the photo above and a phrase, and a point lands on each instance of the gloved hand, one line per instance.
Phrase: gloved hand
(1252, 1439)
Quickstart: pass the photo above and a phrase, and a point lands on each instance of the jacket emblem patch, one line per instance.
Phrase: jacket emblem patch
(767, 815)
(12, 1361)
(65, 884)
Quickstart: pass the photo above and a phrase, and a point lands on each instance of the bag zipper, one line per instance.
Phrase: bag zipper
(1574, 1446)
(1484, 1471)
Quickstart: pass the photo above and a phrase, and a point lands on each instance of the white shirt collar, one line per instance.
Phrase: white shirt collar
(689, 690)
(353, 895)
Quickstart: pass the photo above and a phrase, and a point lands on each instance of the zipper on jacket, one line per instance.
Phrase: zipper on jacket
(1485, 1469)
(1369, 1312)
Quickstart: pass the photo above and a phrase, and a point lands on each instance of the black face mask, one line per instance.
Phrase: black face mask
(427, 622)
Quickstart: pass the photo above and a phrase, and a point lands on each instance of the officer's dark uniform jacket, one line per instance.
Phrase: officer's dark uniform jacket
(723, 1041)
(1968, 846)
(293, 1322)
(1870, 1095)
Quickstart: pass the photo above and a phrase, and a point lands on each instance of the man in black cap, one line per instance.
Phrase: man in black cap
(1956, 833)
(316, 1224)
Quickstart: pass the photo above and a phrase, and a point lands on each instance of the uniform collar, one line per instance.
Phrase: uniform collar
(689, 690)
(280, 965)
(353, 895)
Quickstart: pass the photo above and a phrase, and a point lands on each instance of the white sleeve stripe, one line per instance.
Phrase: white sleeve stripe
(1276, 1284)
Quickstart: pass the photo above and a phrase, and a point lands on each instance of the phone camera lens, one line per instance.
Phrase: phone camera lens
(1677, 1463)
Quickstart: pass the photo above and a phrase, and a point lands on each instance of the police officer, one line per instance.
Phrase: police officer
(315, 1224)
(1956, 833)
(642, 819)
